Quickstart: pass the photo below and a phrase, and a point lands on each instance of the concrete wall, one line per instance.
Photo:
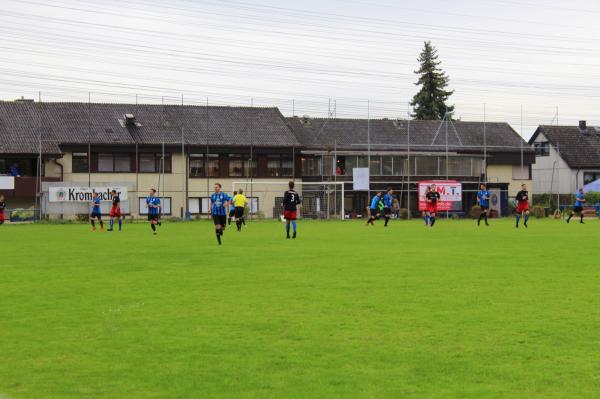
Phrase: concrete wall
(173, 187)
(551, 174)
(504, 174)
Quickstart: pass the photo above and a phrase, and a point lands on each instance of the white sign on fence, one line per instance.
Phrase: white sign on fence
(360, 179)
(7, 183)
(84, 194)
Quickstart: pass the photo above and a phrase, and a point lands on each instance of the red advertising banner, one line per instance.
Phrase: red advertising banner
(450, 194)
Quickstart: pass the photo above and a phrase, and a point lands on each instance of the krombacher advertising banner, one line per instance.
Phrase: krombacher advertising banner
(84, 194)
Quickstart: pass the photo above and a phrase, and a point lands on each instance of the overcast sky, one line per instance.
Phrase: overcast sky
(536, 55)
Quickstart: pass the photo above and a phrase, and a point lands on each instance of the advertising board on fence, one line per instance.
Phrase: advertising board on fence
(84, 194)
(450, 194)
(360, 179)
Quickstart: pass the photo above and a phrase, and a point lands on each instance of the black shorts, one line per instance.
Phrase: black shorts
(387, 211)
(97, 215)
(152, 217)
(375, 212)
(239, 212)
(577, 209)
(484, 207)
(219, 219)
(231, 213)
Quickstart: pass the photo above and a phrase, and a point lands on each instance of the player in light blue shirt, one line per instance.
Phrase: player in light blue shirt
(483, 198)
(579, 204)
(374, 208)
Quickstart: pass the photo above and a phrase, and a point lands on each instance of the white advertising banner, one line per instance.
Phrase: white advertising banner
(360, 179)
(84, 194)
(7, 183)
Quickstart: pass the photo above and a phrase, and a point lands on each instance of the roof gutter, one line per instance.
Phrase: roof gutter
(55, 160)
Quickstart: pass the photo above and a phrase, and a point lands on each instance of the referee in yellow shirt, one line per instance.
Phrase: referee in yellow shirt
(239, 202)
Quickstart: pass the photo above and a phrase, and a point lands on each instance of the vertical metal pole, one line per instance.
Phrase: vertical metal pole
(183, 166)
(408, 159)
(369, 148)
(484, 145)
(293, 107)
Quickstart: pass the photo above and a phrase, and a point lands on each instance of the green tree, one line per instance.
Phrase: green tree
(430, 102)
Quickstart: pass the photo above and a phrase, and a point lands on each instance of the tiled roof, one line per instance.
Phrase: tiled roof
(386, 134)
(82, 123)
(579, 148)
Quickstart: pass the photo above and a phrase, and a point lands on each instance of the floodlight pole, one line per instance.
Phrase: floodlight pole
(408, 159)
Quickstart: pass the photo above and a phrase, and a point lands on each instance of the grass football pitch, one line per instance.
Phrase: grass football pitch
(344, 311)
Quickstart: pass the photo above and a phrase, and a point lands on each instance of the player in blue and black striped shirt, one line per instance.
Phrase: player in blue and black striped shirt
(96, 212)
(153, 205)
(388, 200)
(219, 206)
(483, 198)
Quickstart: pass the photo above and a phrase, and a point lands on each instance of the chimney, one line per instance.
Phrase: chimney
(582, 125)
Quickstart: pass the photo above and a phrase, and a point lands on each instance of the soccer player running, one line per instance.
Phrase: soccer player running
(431, 198)
(154, 206)
(522, 205)
(291, 200)
(219, 205)
(115, 211)
(2, 207)
(96, 212)
(231, 209)
(239, 202)
(388, 201)
(578, 208)
(483, 198)
(374, 209)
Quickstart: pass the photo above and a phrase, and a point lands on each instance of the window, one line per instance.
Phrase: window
(147, 163)
(363, 162)
(459, 166)
(236, 165)
(106, 162)
(311, 166)
(387, 166)
(351, 163)
(202, 165)
(212, 165)
(399, 165)
(280, 165)
(80, 162)
(165, 203)
(150, 162)
(542, 149)
(375, 167)
(521, 173)
(250, 168)
(122, 163)
(590, 177)
(427, 166)
(477, 167)
(198, 206)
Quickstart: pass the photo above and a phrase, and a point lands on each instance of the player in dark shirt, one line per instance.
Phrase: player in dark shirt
(2, 206)
(522, 205)
(115, 211)
(291, 200)
(431, 198)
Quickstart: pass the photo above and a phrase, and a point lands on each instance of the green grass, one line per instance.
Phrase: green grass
(344, 311)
